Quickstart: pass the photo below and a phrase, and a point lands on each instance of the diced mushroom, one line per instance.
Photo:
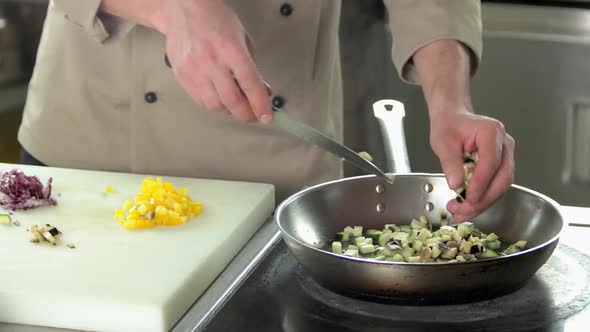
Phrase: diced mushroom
(35, 232)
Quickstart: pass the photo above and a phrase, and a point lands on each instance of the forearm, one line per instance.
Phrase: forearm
(444, 67)
(145, 12)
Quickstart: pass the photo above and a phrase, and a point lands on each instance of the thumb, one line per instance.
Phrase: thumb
(451, 160)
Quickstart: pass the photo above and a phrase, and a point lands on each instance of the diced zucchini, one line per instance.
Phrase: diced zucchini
(449, 254)
(512, 249)
(391, 252)
(456, 237)
(5, 219)
(357, 231)
(488, 253)
(366, 249)
(348, 230)
(371, 231)
(359, 240)
(352, 253)
(414, 259)
(492, 237)
(424, 234)
(417, 245)
(375, 236)
(407, 252)
(435, 252)
(417, 241)
(342, 236)
(464, 229)
(392, 227)
(416, 224)
(433, 241)
(414, 234)
(468, 257)
(384, 238)
(337, 247)
(453, 244)
(465, 247)
(400, 236)
(424, 221)
(494, 244)
(396, 258)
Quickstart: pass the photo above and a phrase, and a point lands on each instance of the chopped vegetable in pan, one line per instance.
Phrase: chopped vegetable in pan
(469, 162)
(158, 203)
(419, 242)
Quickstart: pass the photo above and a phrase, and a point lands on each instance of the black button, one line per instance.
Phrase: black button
(151, 97)
(286, 9)
(167, 61)
(278, 101)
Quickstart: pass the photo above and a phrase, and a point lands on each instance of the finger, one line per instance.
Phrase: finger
(489, 148)
(231, 95)
(498, 186)
(244, 69)
(209, 96)
(451, 160)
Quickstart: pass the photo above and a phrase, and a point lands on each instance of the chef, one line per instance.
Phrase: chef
(177, 88)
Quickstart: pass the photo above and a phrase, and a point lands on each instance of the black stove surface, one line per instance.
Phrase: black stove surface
(280, 296)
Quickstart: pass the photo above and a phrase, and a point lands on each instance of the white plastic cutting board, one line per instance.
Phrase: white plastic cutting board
(116, 279)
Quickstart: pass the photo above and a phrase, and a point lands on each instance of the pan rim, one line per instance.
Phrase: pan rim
(293, 197)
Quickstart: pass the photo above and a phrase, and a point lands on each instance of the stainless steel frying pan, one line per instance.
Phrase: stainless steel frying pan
(309, 219)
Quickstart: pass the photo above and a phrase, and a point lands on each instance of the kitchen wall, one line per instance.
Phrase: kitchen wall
(20, 29)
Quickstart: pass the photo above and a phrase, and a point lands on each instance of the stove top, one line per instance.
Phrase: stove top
(281, 296)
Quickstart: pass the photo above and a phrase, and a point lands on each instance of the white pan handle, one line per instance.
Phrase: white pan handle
(390, 115)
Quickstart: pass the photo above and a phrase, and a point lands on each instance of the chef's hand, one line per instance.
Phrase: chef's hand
(444, 69)
(210, 54)
(454, 132)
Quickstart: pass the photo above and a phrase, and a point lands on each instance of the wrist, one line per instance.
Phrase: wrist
(444, 100)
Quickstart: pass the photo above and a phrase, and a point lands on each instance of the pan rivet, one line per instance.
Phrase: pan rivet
(380, 207)
(429, 206)
(428, 187)
(380, 188)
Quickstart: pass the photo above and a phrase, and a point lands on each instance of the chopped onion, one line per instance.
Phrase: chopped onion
(21, 192)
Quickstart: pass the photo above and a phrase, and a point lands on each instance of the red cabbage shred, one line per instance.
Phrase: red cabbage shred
(21, 192)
